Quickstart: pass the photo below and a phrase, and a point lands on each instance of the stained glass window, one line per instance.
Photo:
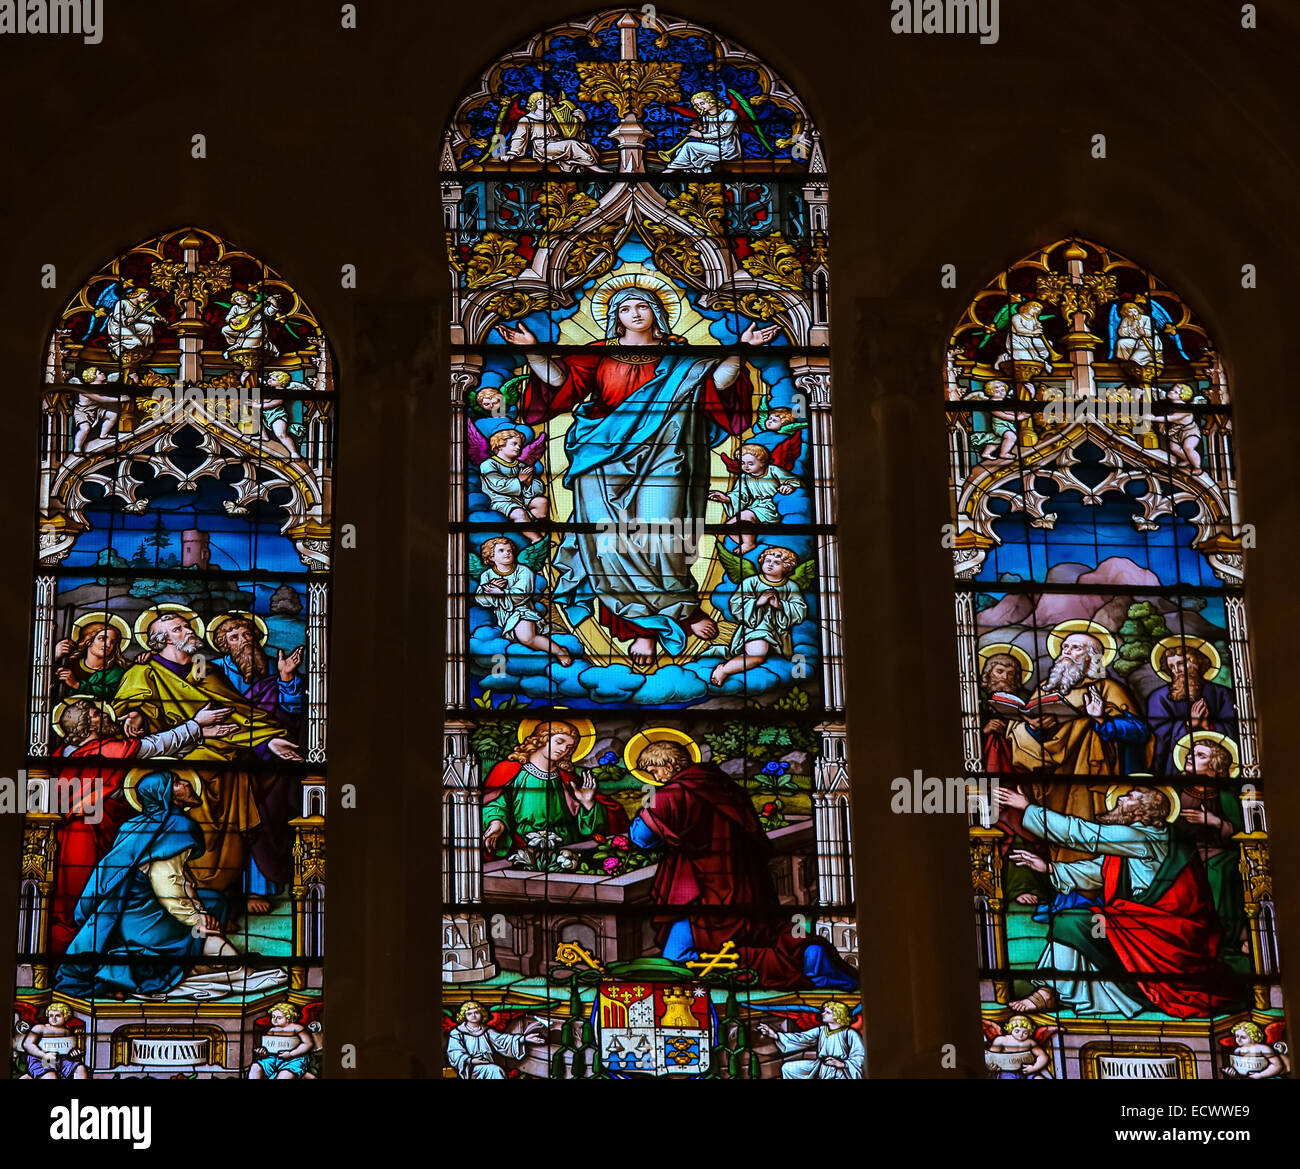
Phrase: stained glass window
(647, 845)
(1124, 908)
(172, 891)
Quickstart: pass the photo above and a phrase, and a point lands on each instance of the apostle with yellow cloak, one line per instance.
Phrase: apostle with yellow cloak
(1097, 730)
(169, 689)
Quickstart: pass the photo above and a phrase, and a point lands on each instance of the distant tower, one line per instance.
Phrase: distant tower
(194, 548)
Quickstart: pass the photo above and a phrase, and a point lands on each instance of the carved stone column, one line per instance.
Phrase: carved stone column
(42, 661)
(317, 669)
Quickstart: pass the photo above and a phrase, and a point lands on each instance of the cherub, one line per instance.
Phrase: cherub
(275, 414)
(782, 420)
(508, 474)
(998, 442)
(768, 604)
(759, 480)
(51, 1047)
(497, 401)
(1257, 1054)
(94, 410)
(286, 1047)
(507, 586)
(1016, 1051)
(1181, 431)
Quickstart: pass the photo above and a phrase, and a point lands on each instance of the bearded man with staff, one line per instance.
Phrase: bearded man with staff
(170, 688)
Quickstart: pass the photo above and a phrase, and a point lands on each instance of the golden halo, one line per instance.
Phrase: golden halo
(136, 774)
(1109, 646)
(217, 622)
(1005, 647)
(1183, 748)
(1164, 645)
(151, 614)
(666, 294)
(642, 739)
(585, 727)
(1114, 792)
(102, 703)
(123, 629)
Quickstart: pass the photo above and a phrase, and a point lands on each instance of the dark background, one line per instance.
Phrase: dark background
(322, 150)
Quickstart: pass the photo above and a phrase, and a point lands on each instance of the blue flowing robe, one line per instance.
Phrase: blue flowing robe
(638, 459)
(126, 940)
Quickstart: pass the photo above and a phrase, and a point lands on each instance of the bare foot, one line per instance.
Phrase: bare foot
(258, 905)
(704, 627)
(566, 658)
(718, 677)
(1043, 999)
(1027, 899)
(642, 651)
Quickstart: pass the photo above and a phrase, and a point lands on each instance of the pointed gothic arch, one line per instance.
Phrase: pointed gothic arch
(1104, 648)
(183, 564)
(613, 160)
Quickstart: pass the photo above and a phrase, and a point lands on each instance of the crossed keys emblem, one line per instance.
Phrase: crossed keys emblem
(724, 959)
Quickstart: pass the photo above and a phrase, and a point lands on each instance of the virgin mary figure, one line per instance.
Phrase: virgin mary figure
(644, 425)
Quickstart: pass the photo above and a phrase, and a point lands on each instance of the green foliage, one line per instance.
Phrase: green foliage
(1138, 634)
(493, 741)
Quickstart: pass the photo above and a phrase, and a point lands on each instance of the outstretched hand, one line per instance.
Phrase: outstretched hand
(759, 334)
(519, 334)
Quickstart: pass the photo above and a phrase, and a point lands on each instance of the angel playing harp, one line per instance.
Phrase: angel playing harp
(509, 474)
(548, 129)
(768, 603)
(507, 587)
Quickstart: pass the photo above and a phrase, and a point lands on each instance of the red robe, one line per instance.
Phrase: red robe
(716, 854)
(81, 845)
(1178, 933)
(604, 383)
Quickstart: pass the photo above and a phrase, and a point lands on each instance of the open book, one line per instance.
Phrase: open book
(1037, 706)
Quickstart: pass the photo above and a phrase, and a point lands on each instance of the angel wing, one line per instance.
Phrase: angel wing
(511, 388)
(804, 574)
(1161, 319)
(508, 118)
(991, 1029)
(786, 452)
(1043, 1034)
(747, 118)
(1113, 322)
(533, 451)
(476, 565)
(104, 303)
(1275, 1033)
(736, 567)
(536, 554)
(478, 444)
(731, 464)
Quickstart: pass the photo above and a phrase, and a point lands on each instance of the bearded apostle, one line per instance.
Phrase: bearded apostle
(1150, 891)
(1097, 731)
(169, 689)
(1189, 701)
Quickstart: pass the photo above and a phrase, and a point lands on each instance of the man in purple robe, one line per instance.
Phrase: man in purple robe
(279, 692)
(1188, 703)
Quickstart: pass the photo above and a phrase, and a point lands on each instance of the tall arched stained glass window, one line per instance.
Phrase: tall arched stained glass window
(1124, 907)
(173, 879)
(647, 861)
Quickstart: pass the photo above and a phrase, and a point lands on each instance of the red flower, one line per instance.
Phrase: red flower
(611, 864)
(768, 809)
(620, 842)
